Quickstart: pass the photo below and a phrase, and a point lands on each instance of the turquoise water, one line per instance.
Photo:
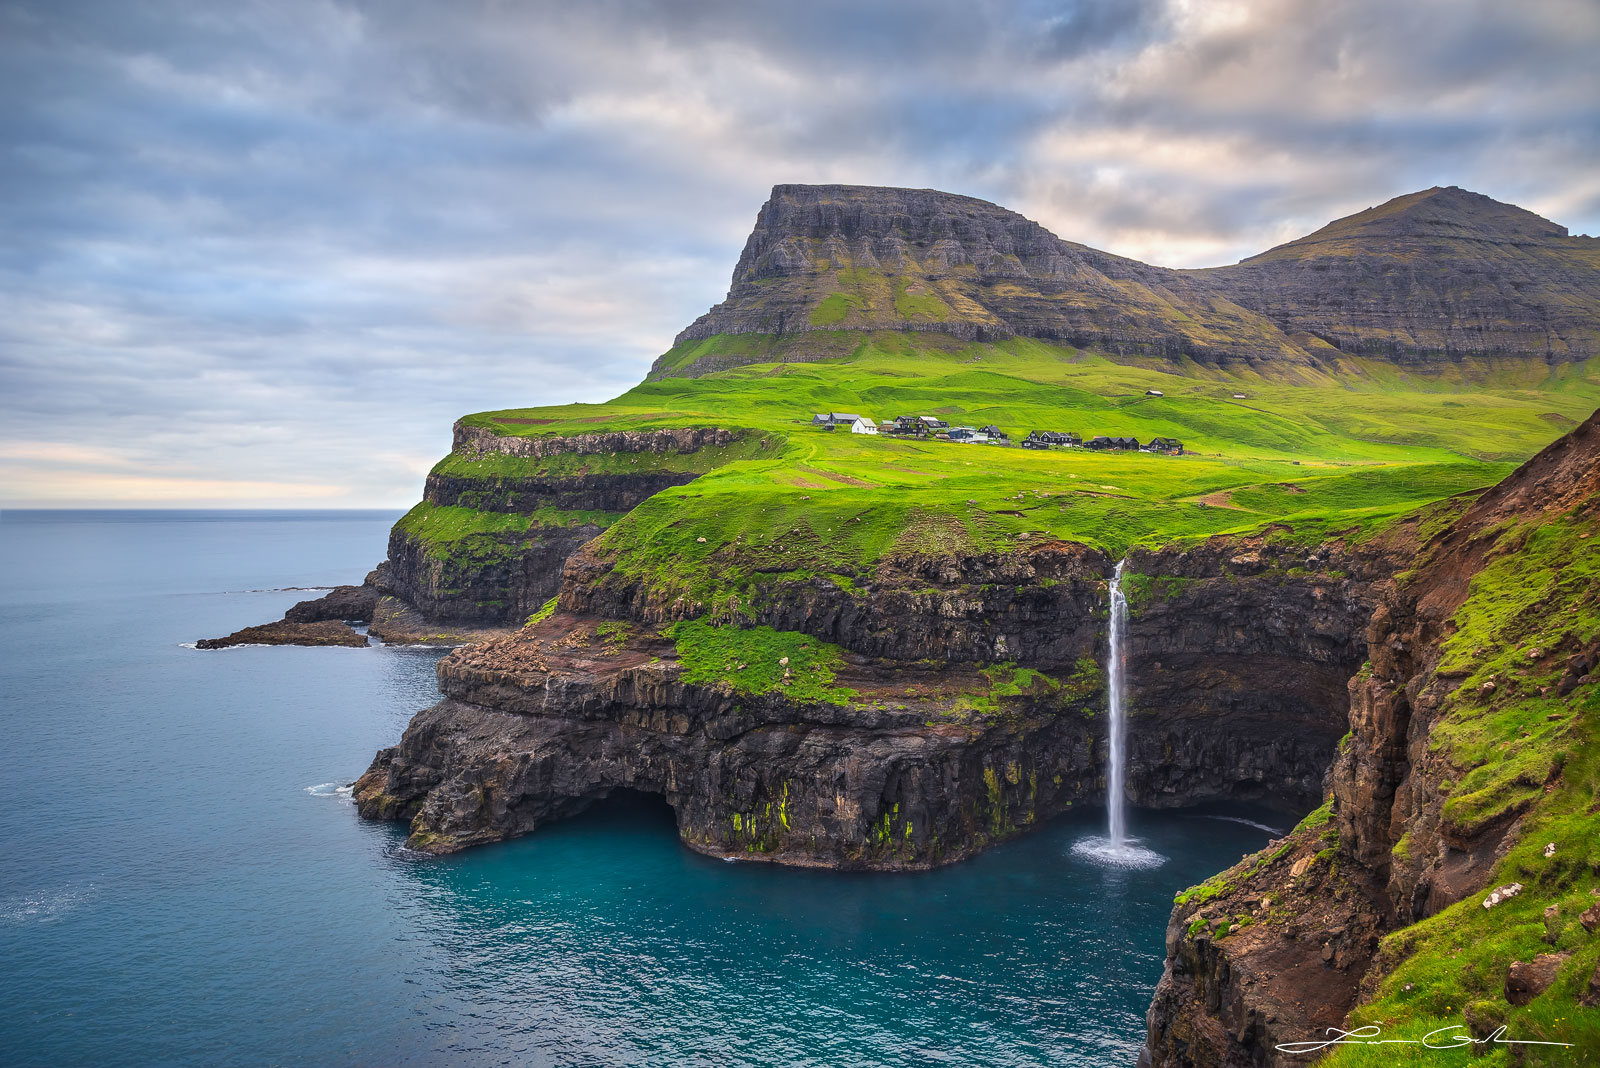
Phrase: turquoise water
(184, 885)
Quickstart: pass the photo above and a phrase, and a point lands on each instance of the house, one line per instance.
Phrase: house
(1101, 443)
(1154, 393)
(992, 432)
(909, 424)
(933, 424)
(863, 425)
(829, 420)
(1043, 439)
(1171, 446)
(1238, 396)
(967, 435)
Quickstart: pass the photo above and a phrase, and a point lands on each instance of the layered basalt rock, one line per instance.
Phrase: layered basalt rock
(1433, 277)
(486, 579)
(284, 632)
(1286, 943)
(500, 576)
(1438, 275)
(537, 726)
(832, 257)
(1240, 649)
(1041, 606)
(541, 723)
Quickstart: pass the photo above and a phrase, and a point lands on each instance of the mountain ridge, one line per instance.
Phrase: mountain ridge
(1426, 279)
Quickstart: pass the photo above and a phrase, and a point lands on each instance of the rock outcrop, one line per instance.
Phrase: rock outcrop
(925, 762)
(1288, 942)
(284, 632)
(536, 726)
(459, 559)
(1436, 276)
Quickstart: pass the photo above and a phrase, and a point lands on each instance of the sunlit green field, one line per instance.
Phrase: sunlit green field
(1318, 454)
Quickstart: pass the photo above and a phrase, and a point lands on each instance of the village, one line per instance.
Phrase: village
(932, 428)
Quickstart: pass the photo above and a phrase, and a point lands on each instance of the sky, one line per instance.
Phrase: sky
(263, 253)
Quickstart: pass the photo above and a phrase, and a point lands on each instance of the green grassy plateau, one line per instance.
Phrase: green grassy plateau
(1318, 454)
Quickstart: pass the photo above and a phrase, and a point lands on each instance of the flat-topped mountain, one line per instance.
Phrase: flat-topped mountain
(1436, 276)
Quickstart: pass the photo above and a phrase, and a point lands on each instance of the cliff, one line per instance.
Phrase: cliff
(1432, 277)
(502, 513)
(890, 737)
(1471, 763)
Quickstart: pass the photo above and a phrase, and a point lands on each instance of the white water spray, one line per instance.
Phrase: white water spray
(1116, 848)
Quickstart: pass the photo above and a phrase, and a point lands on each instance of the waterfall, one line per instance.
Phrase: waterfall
(1116, 848)
(1116, 818)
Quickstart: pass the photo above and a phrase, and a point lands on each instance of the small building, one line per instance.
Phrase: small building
(933, 423)
(1103, 443)
(1043, 439)
(1154, 393)
(863, 425)
(829, 420)
(967, 435)
(992, 432)
(1238, 396)
(1170, 446)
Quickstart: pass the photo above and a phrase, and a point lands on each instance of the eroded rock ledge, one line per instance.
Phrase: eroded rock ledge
(537, 726)
(919, 767)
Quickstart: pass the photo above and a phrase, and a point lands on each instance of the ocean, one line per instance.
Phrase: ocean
(185, 883)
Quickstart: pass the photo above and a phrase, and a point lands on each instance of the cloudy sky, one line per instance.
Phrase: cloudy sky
(262, 253)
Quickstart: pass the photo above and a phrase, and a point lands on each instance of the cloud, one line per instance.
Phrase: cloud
(268, 251)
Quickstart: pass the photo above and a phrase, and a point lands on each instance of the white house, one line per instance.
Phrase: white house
(863, 425)
(1154, 393)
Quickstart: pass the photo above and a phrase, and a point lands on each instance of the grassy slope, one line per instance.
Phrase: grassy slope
(1509, 747)
(1332, 454)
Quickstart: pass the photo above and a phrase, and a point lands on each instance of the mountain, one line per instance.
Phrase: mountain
(1437, 275)
(1433, 277)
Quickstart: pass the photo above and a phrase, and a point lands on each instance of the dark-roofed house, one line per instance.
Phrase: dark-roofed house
(933, 423)
(1041, 439)
(833, 419)
(1171, 446)
(994, 432)
(1101, 442)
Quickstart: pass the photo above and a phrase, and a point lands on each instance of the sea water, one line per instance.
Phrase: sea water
(185, 883)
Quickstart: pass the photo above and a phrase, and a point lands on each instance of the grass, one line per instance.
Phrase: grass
(759, 660)
(1513, 748)
(786, 502)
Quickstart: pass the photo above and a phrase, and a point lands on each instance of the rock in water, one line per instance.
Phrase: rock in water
(284, 632)
(351, 604)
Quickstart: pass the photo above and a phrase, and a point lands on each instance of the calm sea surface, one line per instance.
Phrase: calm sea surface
(183, 885)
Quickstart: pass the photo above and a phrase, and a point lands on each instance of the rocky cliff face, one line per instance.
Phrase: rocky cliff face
(502, 514)
(861, 257)
(928, 760)
(1439, 275)
(1240, 649)
(1474, 717)
(537, 726)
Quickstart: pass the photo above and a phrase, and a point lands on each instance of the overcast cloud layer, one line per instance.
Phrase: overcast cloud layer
(263, 253)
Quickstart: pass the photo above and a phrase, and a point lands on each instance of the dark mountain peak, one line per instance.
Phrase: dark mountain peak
(1442, 212)
(1442, 274)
